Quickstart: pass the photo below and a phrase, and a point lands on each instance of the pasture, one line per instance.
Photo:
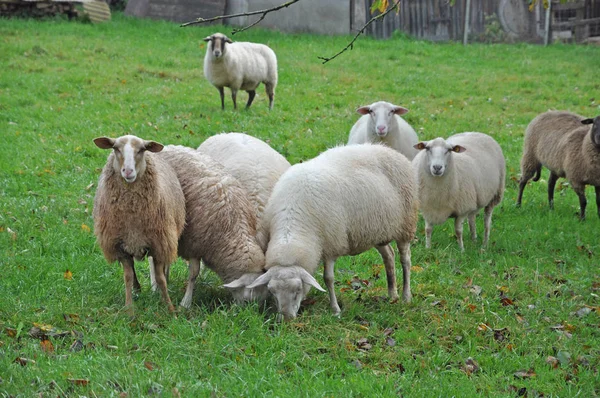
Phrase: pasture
(520, 318)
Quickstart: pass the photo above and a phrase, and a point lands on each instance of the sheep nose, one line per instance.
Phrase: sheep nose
(381, 128)
(437, 168)
(127, 172)
(217, 53)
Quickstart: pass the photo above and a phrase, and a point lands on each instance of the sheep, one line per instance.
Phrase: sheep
(457, 177)
(220, 223)
(139, 210)
(569, 146)
(343, 202)
(239, 66)
(382, 123)
(251, 161)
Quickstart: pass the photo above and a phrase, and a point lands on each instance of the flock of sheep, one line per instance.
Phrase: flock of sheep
(264, 226)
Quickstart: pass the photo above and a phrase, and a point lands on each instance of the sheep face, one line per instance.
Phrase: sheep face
(288, 285)
(217, 43)
(595, 130)
(382, 115)
(438, 153)
(129, 154)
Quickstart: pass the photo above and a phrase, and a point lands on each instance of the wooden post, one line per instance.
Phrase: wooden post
(467, 18)
(547, 24)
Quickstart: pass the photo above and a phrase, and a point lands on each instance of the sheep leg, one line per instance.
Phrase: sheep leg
(387, 254)
(161, 282)
(271, 93)
(128, 277)
(194, 270)
(551, 184)
(428, 231)
(234, 97)
(404, 251)
(580, 191)
(598, 199)
(152, 275)
(487, 222)
(458, 231)
(472, 226)
(251, 95)
(526, 174)
(328, 277)
(137, 288)
(222, 93)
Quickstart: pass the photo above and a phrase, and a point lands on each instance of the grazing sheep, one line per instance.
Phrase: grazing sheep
(382, 123)
(251, 161)
(240, 66)
(139, 210)
(569, 146)
(344, 202)
(220, 223)
(457, 177)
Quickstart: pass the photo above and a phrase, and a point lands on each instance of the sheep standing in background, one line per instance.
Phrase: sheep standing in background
(251, 161)
(569, 146)
(382, 123)
(220, 223)
(139, 210)
(343, 202)
(457, 177)
(239, 66)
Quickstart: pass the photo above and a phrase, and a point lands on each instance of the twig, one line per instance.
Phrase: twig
(351, 44)
(243, 14)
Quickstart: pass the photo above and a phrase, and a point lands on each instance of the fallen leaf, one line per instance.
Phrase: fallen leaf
(501, 334)
(357, 364)
(482, 327)
(439, 303)
(76, 346)
(85, 228)
(416, 268)
(506, 301)
(564, 357)
(471, 307)
(583, 311)
(525, 374)
(388, 331)
(470, 366)
(390, 341)
(552, 361)
(87, 188)
(503, 289)
(150, 365)
(68, 275)
(79, 382)
(363, 344)
(11, 332)
(47, 346)
(476, 290)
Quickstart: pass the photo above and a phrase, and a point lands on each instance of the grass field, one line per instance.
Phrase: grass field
(520, 318)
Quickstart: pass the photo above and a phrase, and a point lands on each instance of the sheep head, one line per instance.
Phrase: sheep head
(129, 154)
(217, 43)
(289, 285)
(381, 114)
(438, 154)
(595, 130)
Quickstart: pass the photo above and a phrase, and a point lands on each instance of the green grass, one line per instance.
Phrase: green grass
(63, 83)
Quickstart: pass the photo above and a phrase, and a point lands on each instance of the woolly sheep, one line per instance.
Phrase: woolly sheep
(382, 123)
(569, 146)
(344, 202)
(239, 66)
(457, 177)
(139, 210)
(220, 223)
(251, 161)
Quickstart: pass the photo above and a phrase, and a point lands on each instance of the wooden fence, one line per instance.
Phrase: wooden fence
(437, 20)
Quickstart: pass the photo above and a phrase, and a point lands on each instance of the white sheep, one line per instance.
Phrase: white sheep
(343, 202)
(382, 123)
(251, 161)
(569, 146)
(457, 177)
(220, 225)
(240, 66)
(139, 210)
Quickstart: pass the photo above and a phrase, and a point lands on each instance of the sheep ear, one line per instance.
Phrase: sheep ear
(104, 142)
(399, 110)
(587, 121)
(153, 146)
(228, 40)
(458, 149)
(420, 146)
(364, 110)
(207, 38)
(310, 280)
(242, 281)
(261, 280)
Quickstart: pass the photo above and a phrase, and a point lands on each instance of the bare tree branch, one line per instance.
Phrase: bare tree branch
(243, 14)
(350, 45)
